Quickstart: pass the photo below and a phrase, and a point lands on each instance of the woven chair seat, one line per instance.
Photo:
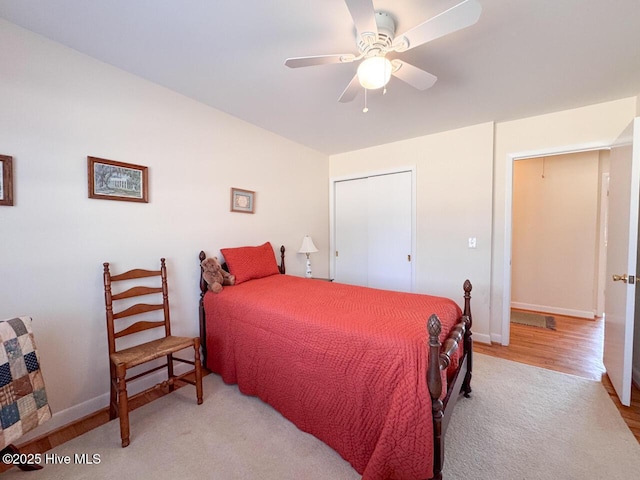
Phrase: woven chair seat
(146, 352)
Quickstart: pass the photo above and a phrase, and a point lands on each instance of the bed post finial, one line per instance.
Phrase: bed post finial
(467, 298)
(434, 328)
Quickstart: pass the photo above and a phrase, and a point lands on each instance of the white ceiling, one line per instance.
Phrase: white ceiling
(522, 58)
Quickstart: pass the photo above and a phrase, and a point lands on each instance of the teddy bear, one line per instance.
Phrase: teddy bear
(215, 275)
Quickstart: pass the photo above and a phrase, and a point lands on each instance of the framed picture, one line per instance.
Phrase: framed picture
(6, 180)
(111, 180)
(242, 200)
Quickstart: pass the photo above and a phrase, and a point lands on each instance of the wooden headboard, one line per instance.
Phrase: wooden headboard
(203, 290)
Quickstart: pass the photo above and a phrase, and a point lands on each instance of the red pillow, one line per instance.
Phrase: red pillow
(247, 263)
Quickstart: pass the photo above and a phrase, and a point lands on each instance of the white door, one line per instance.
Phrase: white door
(622, 245)
(373, 231)
(351, 224)
(390, 231)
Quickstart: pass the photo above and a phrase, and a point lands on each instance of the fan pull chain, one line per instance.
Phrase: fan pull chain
(384, 90)
(365, 109)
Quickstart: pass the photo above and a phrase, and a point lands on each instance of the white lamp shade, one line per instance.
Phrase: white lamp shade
(307, 245)
(374, 72)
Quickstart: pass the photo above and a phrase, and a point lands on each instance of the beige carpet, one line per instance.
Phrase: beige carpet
(522, 422)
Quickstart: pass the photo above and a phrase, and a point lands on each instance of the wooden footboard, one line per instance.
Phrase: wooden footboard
(440, 359)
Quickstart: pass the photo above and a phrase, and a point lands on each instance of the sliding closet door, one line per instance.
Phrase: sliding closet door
(351, 227)
(390, 231)
(373, 231)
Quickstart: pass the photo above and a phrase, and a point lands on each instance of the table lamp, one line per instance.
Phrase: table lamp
(307, 248)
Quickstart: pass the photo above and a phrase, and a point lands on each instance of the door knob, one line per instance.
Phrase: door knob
(618, 278)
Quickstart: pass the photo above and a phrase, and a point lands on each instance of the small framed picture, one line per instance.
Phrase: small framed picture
(242, 200)
(6, 180)
(111, 180)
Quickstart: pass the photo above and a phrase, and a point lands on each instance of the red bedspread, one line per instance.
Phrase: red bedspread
(344, 363)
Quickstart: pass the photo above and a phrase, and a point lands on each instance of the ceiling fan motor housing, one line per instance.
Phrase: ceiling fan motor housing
(370, 45)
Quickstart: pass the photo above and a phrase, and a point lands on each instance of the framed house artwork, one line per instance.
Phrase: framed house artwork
(6, 180)
(111, 180)
(242, 201)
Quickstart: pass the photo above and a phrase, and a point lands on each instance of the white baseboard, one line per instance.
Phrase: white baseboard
(481, 337)
(567, 312)
(496, 338)
(93, 405)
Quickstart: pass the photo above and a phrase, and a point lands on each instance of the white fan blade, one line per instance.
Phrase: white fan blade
(456, 18)
(351, 91)
(364, 16)
(319, 60)
(413, 75)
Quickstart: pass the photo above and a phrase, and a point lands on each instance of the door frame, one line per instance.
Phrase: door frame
(602, 243)
(332, 210)
(503, 339)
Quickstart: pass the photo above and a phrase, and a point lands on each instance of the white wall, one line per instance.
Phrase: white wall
(555, 234)
(58, 107)
(453, 203)
(564, 131)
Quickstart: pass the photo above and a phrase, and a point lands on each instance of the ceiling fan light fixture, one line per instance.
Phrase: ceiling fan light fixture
(374, 72)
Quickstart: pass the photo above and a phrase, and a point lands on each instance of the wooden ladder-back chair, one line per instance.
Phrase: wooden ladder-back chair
(126, 358)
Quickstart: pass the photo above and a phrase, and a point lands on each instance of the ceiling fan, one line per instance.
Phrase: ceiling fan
(376, 38)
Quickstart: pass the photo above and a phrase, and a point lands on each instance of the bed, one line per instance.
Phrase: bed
(374, 374)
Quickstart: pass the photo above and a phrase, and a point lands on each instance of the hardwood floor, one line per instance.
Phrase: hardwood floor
(575, 347)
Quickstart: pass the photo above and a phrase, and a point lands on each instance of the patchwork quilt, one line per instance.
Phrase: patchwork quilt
(23, 399)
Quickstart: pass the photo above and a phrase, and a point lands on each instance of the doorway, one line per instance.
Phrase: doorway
(557, 234)
(509, 166)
